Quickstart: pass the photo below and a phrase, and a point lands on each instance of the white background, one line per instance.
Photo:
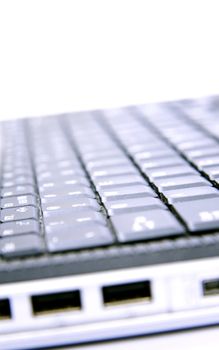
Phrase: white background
(58, 56)
(65, 55)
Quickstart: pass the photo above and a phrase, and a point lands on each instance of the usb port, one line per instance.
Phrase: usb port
(210, 287)
(56, 302)
(128, 293)
(5, 309)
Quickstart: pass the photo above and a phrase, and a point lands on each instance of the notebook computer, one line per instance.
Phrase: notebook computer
(109, 223)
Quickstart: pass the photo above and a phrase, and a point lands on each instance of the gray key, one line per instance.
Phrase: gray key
(73, 181)
(22, 245)
(77, 192)
(123, 170)
(196, 144)
(203, 152)
(60, 191)
(71, 203)
(163, 173)
(61, 174)
(77, 237)
(63, 187)
(19, 227)
(64, 164)
(186, 194)
(144, 147)
(180, 182)
(101, 155)
(206, 162)
(20, 180)
(80, 216)
(118, 181)
(166, 162)
(200, 214)
(105, 163)
(127, 192)
(17, 191)
(21, 213)
(18, 201)
(146, 225)
(133, 204)
(95, 146)
(212, 172)
(178, 135)
(154, 154)
(12, 175)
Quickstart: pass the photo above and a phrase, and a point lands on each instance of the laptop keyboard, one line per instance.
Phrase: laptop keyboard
(108, 178)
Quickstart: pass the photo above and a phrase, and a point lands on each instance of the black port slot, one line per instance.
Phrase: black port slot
(210, 287)
(128, 293)
(5, 309)
(56, 302)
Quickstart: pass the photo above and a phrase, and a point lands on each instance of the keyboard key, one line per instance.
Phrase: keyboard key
(207, 162)
(200, 214)
(196, 144)
(63, 187)
(145, 225)
(76, 192)
(127, 192)
(22, 245)
(58, 174)
(19, 227)
(186, 194)
(19, 180)
(180, 182)
(133, 204)
(73, 181)
(175, 171)
(123, 170)
(62, 164)
(62, 216)
(68, 191)
(212, 172)
(77, 237)
(11, 175)
(105, 163)
(21, 190)
(145, 147)
(203, 152)
(21, 213)
(119, 181)
(155, 154)
(166, 162)
(93, 156)
(78, 203)
(18, 201)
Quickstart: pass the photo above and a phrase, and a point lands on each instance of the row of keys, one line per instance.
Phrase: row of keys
(125, 194)
(199, 148)
(71, 213)
(205, 117)
(204, 112)
(116, 179)
(61, 211)
(200, 209)
(20, 232)
(152, 221)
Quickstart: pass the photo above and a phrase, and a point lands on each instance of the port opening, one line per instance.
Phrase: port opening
(56, 302)
(210, 287)
(129, 293)
(5, 309)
